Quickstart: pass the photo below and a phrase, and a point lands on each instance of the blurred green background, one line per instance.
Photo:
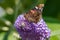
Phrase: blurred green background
(10, 9)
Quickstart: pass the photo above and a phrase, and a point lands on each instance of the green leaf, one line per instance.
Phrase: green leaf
(2, 35)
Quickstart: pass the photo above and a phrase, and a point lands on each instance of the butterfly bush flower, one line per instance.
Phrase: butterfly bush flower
(31, 31)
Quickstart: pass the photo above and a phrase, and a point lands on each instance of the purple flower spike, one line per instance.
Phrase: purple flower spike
(31, 31)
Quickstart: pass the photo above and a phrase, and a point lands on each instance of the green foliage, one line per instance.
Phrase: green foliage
(52, 8)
